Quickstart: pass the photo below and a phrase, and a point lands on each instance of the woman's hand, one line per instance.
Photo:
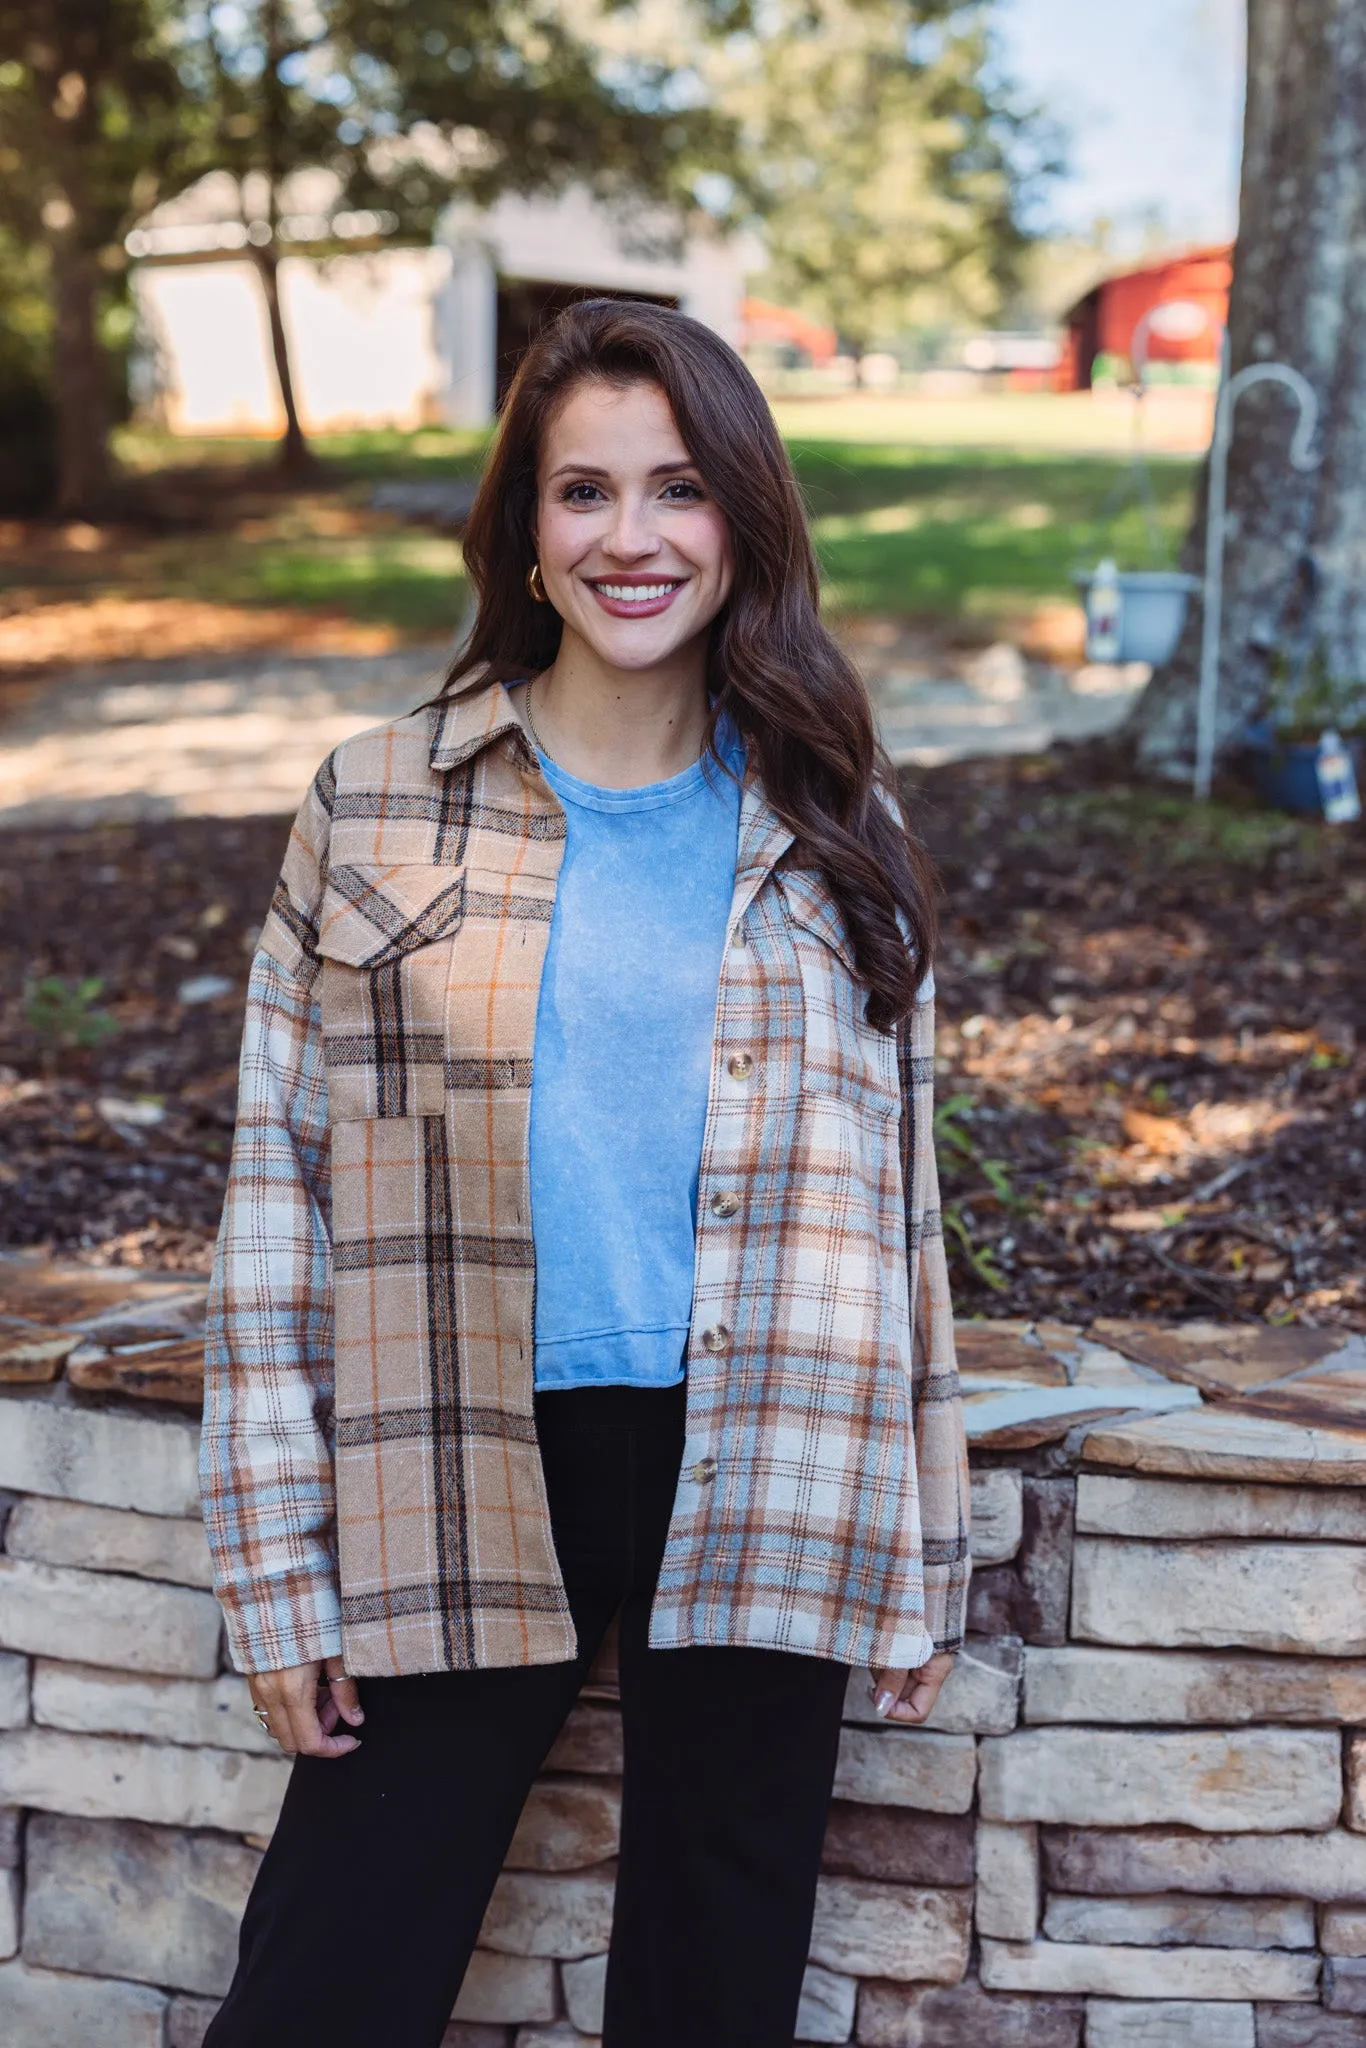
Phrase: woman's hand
(304, 1705)
(909, 1695)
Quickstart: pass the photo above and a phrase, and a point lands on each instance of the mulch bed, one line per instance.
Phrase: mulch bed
(1152, 1087)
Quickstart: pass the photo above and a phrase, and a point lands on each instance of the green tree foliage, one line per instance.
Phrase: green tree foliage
(891, 164)
(108, 106)
(408, 103)
(93, 127)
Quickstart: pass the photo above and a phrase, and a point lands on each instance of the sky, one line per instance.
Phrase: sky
(1150, 94)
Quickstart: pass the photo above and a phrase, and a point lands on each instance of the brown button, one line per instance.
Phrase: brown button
(717, 1339)
(725, 1203)
(740, 1066)
(704, 1471)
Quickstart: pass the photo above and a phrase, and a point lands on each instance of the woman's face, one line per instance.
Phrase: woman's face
(635, 553)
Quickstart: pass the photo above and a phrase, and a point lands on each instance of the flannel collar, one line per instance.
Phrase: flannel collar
(464, 724)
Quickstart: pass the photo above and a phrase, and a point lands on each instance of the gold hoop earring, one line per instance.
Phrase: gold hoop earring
(534, 584)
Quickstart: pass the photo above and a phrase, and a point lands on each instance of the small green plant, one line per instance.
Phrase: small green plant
(956, 1151)
(955, 1148)
(64, 1017)
(980, 1257)
(1307, 699)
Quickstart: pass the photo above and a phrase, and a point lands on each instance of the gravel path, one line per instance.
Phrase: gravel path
(241, 736)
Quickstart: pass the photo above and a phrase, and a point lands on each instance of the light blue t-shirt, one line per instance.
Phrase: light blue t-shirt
(622, 1068)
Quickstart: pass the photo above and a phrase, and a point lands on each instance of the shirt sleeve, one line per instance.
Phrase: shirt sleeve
(940, 1440)
(266, 1465)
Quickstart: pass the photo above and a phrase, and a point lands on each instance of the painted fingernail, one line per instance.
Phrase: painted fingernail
(884, 1702)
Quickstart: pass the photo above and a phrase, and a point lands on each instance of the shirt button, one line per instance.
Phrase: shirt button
(739, 939)
(704, 1471)
(717, 1339)
(740, 1066)
(725, 1204)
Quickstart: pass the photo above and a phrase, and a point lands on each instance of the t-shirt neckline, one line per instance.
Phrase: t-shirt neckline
(703, 773)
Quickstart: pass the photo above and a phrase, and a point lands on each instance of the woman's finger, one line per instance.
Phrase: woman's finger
(277, 1714)
(345, 1697)
(909, 1696)
(311, 1737)
(887, 1689)
(303, 1707)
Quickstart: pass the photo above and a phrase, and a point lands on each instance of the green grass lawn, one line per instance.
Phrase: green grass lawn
(977, 532)
(904, 524)
(411, 579)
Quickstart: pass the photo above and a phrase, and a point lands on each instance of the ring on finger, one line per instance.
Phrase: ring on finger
(262, 1718)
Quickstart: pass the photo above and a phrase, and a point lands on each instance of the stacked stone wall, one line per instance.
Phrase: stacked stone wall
(1138, 1819)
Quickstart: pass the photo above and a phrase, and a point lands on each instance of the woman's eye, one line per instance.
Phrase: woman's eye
(681, 491)
(579, 494)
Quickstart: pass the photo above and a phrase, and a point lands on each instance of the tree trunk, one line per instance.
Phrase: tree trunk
(295, 456)
(82, 401)
(1295, 568)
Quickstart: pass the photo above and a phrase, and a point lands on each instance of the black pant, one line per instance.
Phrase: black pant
(371, 1895)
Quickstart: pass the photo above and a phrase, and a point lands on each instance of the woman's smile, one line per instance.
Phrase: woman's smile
(635, 597)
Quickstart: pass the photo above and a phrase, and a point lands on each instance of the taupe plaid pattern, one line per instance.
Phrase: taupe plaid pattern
(372, 1479)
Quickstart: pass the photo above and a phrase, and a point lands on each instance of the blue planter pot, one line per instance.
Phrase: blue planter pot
(1286, 772)
(1153, 611)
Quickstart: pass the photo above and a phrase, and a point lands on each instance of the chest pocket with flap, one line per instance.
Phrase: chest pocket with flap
(842, 1054)
(385, 937)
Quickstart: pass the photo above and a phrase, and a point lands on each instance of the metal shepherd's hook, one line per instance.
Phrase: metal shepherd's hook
(1231, 390)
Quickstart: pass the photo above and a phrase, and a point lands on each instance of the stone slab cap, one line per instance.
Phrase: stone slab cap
(1224, 1443)
(144, 1372)
(30, 1354)
(1222, 1361)
(1001, 1415)
(1007, 1349)
(1330, 1395)
(63, 1295)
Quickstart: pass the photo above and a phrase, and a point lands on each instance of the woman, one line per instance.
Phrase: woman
(584, 1130)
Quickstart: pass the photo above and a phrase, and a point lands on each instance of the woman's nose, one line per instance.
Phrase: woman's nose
(633, 533)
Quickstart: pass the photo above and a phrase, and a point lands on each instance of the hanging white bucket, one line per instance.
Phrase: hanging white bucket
(1152, 611)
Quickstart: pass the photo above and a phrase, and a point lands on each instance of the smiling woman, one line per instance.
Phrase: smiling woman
(582, 1253)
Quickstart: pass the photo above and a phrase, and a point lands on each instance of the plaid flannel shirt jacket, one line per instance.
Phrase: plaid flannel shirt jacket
(371, 1475)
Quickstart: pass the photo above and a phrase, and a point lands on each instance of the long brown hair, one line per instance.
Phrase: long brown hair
(796, 698)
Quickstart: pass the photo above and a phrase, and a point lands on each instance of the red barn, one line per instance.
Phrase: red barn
(1103, 322)
(781, 327)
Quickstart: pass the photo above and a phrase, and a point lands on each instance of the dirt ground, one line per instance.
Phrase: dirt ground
(1152, 1085)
